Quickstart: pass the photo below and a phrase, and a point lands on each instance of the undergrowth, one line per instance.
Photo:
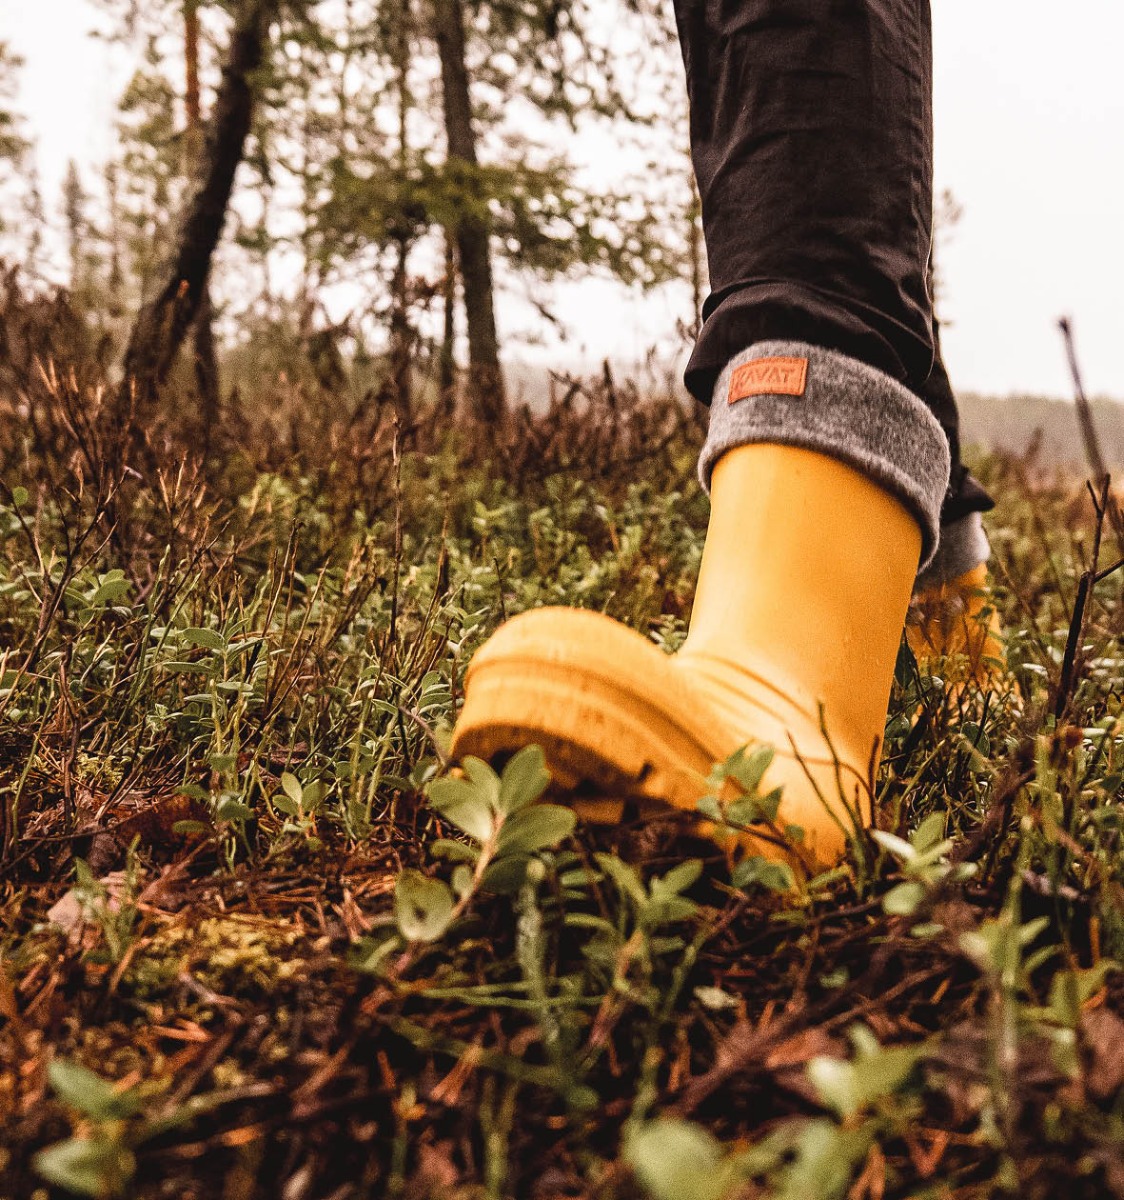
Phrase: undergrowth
(256, 941)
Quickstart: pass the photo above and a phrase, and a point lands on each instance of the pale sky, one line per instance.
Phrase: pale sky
(1029, 137)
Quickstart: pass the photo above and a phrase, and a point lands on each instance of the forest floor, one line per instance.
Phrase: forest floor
(245, 955)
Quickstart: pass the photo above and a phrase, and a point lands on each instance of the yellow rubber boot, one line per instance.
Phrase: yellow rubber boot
(802, 595)
(957, 622)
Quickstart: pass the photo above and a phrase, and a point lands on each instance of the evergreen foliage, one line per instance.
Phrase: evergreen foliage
(354, 217)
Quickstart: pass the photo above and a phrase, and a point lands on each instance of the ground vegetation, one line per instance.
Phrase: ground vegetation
(257, 940)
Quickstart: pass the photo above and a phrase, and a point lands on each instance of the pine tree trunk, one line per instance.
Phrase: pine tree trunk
(206, 368)
(485, 379)
(164, 322)
(206, 357)
(401, 339)
(447, 363)
(695, 244)
(401, 335)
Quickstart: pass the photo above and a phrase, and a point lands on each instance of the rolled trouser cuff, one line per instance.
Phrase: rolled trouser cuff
(796, 394)
(963, 547)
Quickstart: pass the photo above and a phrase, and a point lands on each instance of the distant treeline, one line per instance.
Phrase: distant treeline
(1019, 422)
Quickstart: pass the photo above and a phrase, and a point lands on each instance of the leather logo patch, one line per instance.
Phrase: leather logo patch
(769, 377)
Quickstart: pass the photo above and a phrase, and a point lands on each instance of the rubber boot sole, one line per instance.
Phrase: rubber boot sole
(601, 701)
(620, 721)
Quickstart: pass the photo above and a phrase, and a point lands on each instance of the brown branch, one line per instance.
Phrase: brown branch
(1088, 426)
(1067, 682)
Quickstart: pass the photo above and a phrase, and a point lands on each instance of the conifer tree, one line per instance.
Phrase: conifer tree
(13, 144)
(206, 358)
(399, 148)
(164, 321)
(19, 191)
(473, 224)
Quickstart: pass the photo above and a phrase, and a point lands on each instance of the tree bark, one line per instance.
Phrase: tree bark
(192, 100)
(695, 243)
(206, 357)
(447, 363)
(163, 323)
(473, 234)
(401, 335)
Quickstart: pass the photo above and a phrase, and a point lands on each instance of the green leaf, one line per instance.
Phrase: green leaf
(898, 847)
(764, 873)
(423, 907)
(82, 1089)
(506, 875)
(902, 901)
(663, 911)
(535, 828)
(929, 832)
(676, 1160)
(229, 809)
(975, 738)
(591, 921)
(19, 496)
(525, 778)
(1032, 929)
(95, 1167)
(678, 879)
(835, 1084)
(460, 803)
(109, 591)
(208, 639)
(825, 1159)
(709, 806)
(747, 767)
(186, 827)
(927, 929)
(626, 879)
(371, 953)
(923, 865)
(485, 780)
(850, 1087)
(1071, 990)
(461, 880)
(452, 851)
(767, 1155)
(579, 877)
(292, 788)
(828, 878)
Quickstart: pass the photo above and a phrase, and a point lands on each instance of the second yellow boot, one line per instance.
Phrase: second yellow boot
(958, 624)
(802, 594)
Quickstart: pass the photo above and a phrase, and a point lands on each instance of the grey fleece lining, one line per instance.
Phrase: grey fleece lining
(963, 547)
(850, 411)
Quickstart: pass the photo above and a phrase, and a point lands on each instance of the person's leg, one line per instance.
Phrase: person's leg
(811, 131)
(952, 618)
(963, 544)
(811, 136)
(810, 126)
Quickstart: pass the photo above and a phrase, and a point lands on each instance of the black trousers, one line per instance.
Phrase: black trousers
(812, 141)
